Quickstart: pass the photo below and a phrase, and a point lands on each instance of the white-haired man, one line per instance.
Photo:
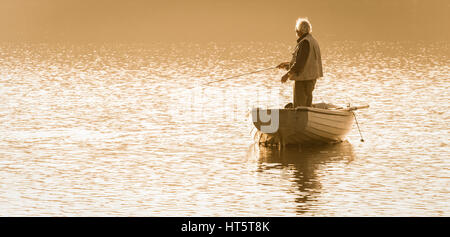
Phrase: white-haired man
(306, 64)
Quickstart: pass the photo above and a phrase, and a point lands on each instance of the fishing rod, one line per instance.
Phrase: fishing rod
(248, 73)
(235, 76)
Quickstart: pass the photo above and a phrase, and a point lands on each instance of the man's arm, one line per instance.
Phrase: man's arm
(284, 65)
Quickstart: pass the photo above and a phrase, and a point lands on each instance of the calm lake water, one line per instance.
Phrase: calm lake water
(128, 130)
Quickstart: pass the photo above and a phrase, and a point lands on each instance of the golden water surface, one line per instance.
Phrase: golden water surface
(117, 130)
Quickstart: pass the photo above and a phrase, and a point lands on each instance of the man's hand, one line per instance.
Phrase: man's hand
(284, 65)
(284, 78)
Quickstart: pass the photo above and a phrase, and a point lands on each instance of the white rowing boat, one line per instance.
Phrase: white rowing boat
(322, 123)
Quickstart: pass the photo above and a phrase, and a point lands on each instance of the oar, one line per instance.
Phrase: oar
(353, 108)
(248, 73)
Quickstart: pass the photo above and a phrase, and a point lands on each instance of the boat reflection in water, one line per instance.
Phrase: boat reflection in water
(305, 166)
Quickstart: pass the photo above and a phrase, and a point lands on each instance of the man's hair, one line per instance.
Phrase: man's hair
(303, 25)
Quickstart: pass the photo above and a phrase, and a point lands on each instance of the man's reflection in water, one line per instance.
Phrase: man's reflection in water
(305, 164)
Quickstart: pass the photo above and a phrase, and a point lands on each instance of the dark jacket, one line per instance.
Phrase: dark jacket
(306, 63)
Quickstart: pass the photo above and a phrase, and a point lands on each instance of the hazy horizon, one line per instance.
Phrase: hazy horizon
(233, 20)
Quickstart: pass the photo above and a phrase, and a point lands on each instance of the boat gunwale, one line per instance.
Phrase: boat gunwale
(338, 112)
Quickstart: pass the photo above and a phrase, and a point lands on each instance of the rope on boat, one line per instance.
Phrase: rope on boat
(357, 124)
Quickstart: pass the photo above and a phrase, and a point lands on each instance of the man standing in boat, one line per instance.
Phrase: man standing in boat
(306, 64)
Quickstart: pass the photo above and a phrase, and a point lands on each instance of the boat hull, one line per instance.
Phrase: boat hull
(302, 125)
